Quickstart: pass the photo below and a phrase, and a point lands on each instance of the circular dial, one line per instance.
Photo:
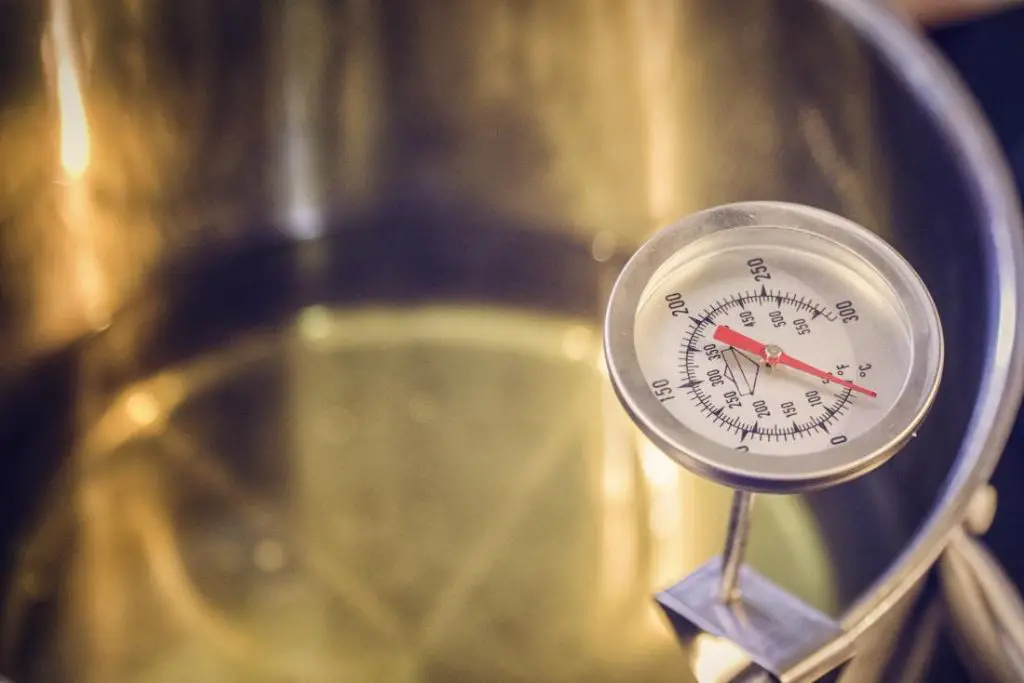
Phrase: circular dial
(773, 346)
(771, 349)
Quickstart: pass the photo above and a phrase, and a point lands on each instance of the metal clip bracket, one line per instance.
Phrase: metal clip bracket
(773, 628)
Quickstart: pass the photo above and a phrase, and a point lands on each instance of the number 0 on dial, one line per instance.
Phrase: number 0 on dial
(773, 346)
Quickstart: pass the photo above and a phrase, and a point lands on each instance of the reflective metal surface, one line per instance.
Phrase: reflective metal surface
(580, 119)
(987, 607)
(773, 629)
(298, 300)
(443, 492)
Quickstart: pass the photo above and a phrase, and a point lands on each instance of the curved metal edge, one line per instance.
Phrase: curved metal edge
(987, 613)
(955, 112)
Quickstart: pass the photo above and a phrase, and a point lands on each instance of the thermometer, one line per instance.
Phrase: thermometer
(776, 348)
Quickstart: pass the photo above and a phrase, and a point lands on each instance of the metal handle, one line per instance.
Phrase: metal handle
(986, 610)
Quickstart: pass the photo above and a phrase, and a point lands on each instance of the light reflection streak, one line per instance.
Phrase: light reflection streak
(619, 494)
(655, 26)
(77, 212)
(673, 547)
(303, 63)
(716, 660)
(75, 148)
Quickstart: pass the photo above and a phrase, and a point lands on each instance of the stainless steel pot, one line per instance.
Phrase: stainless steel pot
(301, 307)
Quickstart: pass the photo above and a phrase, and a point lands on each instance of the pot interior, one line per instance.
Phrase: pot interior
(349, 418)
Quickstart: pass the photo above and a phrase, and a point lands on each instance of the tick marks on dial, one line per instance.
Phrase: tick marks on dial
(792, 432)
(741, 373)
(742, 300)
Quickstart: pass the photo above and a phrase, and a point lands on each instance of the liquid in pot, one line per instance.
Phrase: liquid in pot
(375, 486)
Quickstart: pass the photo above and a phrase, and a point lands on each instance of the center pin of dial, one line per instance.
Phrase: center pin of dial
(772, 354)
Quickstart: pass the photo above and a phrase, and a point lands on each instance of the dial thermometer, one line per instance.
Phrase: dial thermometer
(771, 347)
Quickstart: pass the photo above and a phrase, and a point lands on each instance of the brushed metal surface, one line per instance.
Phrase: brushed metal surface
(154, 151)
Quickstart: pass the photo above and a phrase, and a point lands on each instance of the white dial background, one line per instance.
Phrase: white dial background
(816, 309)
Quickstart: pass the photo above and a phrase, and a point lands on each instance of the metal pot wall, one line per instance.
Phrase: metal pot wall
(301, 324)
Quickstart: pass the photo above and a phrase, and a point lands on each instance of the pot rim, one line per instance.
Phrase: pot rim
(952, 109)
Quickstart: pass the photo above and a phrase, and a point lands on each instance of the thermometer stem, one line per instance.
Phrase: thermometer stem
(736, 539)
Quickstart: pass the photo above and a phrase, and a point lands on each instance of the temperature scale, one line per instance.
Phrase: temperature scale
(772, 348)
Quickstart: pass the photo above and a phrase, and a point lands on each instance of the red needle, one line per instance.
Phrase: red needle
(775, 356)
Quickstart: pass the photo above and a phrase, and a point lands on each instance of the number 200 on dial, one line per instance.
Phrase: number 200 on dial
(790, 336)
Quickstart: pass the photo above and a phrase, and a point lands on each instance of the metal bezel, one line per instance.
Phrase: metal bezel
(777, 474)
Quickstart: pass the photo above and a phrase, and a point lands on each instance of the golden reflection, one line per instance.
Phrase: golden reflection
(74, 124)
(90, 159)
(314, 323)
(716, 660)
(489, 510)
(88, 287)
(142, 408)
(619, 495)
(672, 550)
(671, 191)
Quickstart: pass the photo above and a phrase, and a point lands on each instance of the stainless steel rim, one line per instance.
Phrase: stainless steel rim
(953, 110)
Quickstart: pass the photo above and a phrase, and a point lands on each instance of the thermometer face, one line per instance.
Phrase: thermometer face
(706, 329)
(773, 346)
